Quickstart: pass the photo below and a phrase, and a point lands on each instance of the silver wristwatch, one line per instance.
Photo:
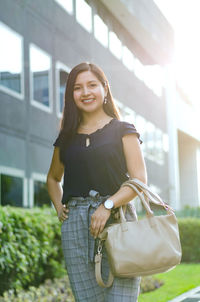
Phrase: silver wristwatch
(108, 204)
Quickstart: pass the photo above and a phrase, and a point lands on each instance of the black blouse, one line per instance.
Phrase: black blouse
(101, 166)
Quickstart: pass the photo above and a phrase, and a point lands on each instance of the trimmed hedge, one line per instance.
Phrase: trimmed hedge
(30, 247)
(189, 229)
(58, 290)
(188, 212)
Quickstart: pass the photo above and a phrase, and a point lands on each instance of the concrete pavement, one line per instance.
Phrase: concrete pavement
(192, 295)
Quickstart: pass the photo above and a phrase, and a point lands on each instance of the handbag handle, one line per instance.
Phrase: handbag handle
(153, 197)
(98, 259)
(145, 204)
(135, 184)
(98, 256)
(145, 189)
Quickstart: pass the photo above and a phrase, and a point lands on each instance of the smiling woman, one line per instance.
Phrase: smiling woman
(89, 95)
(96, 152)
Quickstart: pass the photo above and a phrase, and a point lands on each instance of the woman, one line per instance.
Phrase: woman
(96, 152)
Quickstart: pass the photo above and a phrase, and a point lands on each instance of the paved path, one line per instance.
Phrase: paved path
(190, 296)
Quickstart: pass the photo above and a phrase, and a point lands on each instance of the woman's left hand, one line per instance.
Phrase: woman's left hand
(98, 220)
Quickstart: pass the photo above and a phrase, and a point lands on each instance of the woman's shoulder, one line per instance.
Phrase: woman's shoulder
(124, 124)
(125, 127)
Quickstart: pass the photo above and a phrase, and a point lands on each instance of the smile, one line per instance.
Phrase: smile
(88, 101)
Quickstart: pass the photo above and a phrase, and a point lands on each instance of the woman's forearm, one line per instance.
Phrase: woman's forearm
(124, 195)
(55, 192)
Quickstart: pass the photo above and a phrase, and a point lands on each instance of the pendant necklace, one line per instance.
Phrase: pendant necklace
(87, 142)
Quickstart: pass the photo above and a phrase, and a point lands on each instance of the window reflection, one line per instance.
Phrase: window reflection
(129, 115)
(40, 64)
(11, 59)
(153, 78)
(115, 45)
(140, 124)
(155, 142)
(67, 5)
(139, 69)
(150, 139)
(11, 190)
(84, 15)
(165, 142)
(128, 58)
(159, 146)
(100, 31)
(41, 196)
(63, 75)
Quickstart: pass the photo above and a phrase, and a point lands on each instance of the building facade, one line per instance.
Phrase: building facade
(133, 43)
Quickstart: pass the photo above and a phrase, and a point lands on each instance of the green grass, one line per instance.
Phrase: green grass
(177, 281)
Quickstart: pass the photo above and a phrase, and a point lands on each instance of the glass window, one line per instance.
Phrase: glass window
(11, 61)
(67, 5)
(100, 31)
(115, 45)
(159, 146)
(41, 196)
(129, 115)
(84, 15)
(118, 103)
(127, 58)
(119, 107)
(40, 64)
(139, 69)
(11, 190)
(165, 142)
(153, 78)
(122, 112)
(63, 75)
(140, 124)
(148, 75)
(150, 140)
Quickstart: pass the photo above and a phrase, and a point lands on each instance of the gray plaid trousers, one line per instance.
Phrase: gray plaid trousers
(79, 249)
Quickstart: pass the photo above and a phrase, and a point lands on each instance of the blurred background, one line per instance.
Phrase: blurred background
(149, 50)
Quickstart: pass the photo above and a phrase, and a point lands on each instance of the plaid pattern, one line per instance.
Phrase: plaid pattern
(79, 250)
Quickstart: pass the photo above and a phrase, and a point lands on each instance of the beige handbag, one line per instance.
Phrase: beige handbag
(143, 247)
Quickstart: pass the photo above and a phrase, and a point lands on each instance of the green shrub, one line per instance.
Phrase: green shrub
(188, 212)
(58, 290)
(189, 229)
(150, 283)
(30, 247)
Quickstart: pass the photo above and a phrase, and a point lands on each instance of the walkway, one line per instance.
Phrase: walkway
(190, 296)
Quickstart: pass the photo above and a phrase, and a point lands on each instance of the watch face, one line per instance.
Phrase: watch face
(108, 204)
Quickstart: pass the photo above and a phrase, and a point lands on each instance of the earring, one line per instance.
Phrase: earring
(105, 100)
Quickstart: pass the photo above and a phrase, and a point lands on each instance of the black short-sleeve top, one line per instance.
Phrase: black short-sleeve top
(101, 166)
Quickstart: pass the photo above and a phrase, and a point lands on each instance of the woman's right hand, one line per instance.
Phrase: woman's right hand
(62, 213)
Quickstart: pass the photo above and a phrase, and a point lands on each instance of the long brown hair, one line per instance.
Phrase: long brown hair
(71, 115)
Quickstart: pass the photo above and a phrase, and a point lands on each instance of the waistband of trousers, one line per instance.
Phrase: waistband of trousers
(81, 201)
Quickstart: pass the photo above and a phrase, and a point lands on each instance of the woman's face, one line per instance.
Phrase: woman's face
(88, 92)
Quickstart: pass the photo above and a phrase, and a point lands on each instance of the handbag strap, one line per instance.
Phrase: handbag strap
(153, 197)
(98, 260)
(143, 200)
(98, 256)
(144, 197)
